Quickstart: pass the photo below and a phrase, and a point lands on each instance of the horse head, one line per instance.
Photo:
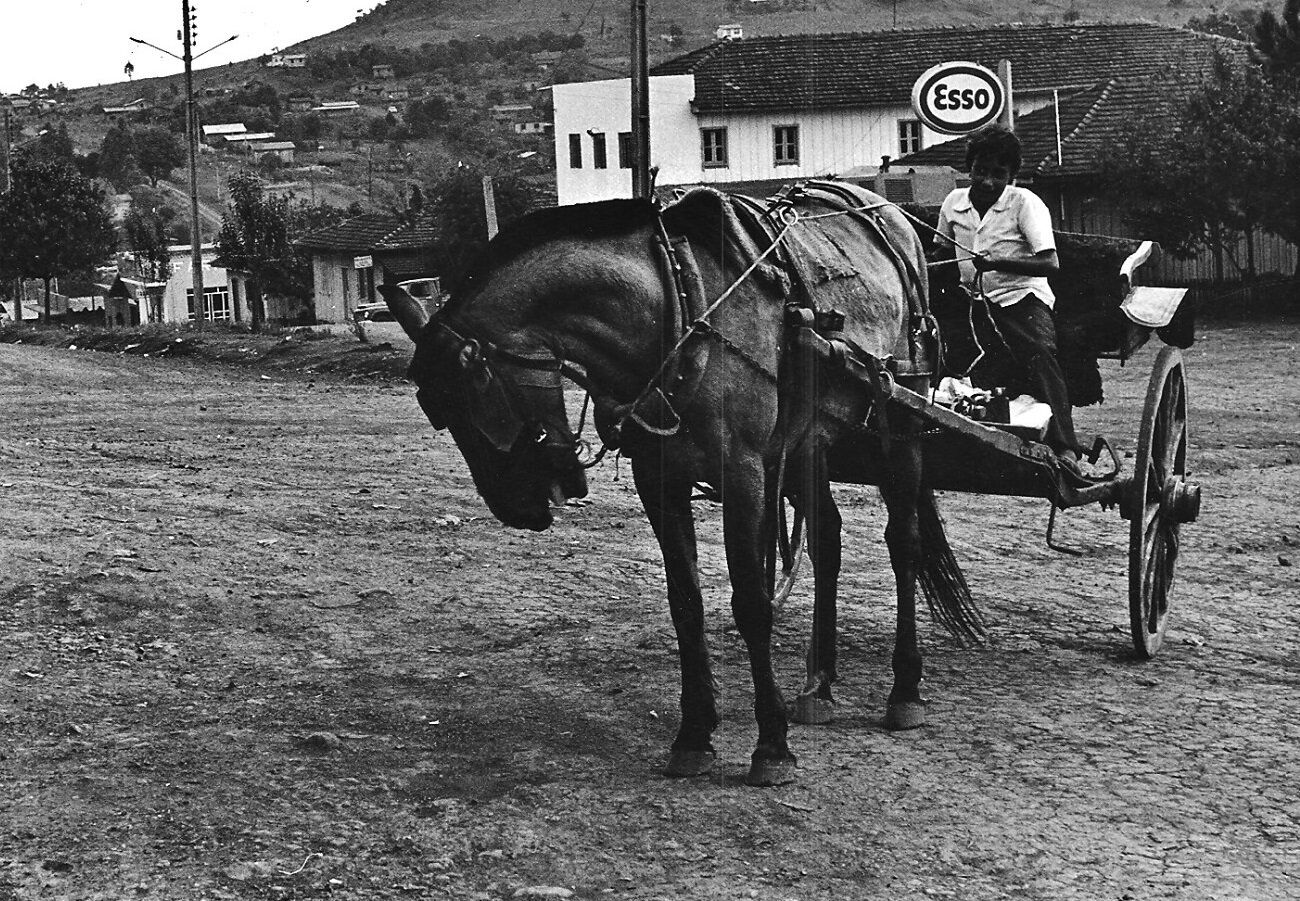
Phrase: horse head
(504, 406)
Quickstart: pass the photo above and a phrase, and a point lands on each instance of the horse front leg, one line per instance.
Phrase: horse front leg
(815, 705)
(663, 482)
(744, 505)
(905, 708)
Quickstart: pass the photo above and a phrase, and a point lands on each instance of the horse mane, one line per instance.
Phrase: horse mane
(603, 218)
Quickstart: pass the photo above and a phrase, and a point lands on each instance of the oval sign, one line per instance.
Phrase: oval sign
(958, 97)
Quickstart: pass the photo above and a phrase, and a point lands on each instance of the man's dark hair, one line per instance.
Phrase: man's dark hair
(996, 143)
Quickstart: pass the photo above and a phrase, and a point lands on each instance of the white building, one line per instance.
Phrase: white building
(287, 61)
(801, 106)
(135, 299)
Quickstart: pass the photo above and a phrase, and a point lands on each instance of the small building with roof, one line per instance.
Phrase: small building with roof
(351, 258)
(217, 133)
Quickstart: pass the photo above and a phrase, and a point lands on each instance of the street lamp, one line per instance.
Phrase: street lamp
(191, 130)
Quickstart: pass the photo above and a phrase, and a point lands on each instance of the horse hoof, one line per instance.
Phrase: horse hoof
(769, 771)
(811, 710)
(683, 764)
(905, 715)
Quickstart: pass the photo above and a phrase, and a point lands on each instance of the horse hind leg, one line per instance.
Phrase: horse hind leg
(905, 708)
(665, 491)
(814, 705)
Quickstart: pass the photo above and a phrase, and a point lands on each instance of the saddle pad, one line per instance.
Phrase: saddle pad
(1152, 307)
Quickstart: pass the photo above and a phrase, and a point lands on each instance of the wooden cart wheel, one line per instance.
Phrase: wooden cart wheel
(1159, 501)
(789, 546)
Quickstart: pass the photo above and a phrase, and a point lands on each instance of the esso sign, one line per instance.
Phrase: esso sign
(958, 97)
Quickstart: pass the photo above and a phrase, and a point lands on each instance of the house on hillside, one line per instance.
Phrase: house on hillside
(287, 61)
(532, 127)
(280, 150)
(509, 112)
(300, 103)
(335, 108)
(381, 70)
(241, 143)
(215, 135)
(138, 105)
(779, 109)
(350, 258)
(729, 32)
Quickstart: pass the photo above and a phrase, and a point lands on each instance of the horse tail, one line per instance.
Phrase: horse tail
(941, 578)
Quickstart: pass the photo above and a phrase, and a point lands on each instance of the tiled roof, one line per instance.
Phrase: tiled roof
(866, 68)
(1091, 121)
(357, 235)
(418, 234)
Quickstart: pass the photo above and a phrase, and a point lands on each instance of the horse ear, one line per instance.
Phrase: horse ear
(406, 309)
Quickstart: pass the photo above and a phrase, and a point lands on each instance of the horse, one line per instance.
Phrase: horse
(676, 320)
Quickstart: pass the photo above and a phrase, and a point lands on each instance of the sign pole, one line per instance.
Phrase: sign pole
(1008, 119)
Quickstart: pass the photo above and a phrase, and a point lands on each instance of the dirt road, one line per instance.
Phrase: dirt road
(259, 639)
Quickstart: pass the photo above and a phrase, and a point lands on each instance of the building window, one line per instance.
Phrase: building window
(785, 144)
(216, 304)
(909, 136)
(625, 150)
(713, 147)
(599, 159)
(575, 151)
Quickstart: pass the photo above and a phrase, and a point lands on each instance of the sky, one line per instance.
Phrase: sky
(87, 42)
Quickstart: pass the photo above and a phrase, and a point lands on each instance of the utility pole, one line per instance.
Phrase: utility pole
(640, 103)
(4, 152)
(192, 140)
(192, 136)
(5, 176)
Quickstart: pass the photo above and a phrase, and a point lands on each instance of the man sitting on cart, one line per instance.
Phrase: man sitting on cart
(1005, 251)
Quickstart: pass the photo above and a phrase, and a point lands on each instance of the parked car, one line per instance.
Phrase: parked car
(373, 312)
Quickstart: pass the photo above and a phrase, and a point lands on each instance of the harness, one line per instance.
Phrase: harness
(688, 338)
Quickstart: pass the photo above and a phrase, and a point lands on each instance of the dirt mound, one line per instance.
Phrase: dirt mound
(305, 351)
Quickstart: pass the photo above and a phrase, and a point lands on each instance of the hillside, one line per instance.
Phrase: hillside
(605, 23)
(356, 161)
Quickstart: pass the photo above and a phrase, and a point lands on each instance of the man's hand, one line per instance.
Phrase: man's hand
(982, 263)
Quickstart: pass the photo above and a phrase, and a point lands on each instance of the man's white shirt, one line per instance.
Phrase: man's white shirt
(1017, 225)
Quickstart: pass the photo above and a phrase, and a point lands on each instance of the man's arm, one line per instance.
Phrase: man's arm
(1044, 263)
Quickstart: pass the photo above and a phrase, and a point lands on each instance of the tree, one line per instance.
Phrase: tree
(157, 151)
(53, 222)
(1216, 169)
(1277, 41)
(117, 161)
(54, 143)
(1277, 49)
(458, 211)
(1238, 24)
(255, 239)
(144, 232)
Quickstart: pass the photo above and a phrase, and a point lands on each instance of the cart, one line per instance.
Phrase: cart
(1098, 288)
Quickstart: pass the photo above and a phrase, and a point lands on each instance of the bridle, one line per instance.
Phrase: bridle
(498, 384)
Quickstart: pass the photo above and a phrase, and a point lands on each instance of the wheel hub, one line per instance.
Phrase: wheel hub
(1181, 500)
